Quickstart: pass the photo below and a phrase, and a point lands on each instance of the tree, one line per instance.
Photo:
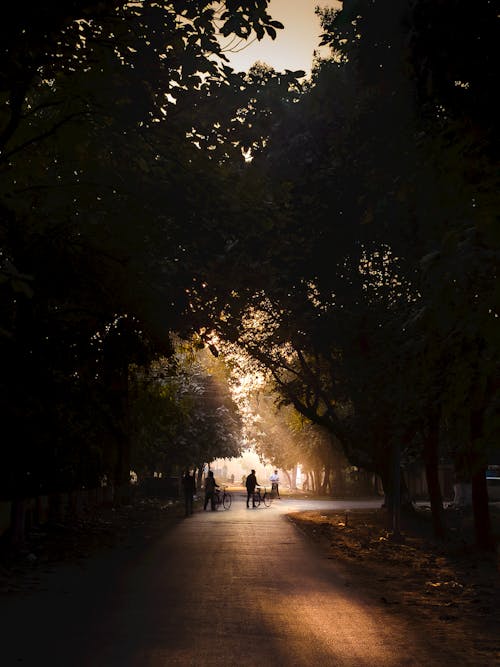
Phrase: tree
(372, 200)
(182, 414)
(101, 176)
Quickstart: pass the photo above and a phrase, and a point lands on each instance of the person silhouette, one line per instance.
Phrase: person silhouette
(274, 479)
(210, 486)
(251, 483)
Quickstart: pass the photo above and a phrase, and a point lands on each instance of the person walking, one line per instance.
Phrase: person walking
(275, 480)
(251, 483)
(210, 486)
(189, 488)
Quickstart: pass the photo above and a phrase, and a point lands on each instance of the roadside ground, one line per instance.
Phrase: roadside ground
(448, 584)
(46, 547)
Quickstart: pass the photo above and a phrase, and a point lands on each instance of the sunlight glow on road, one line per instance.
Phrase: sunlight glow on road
(311, 618)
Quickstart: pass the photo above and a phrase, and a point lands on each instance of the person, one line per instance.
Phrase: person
(251, 483)
(274, 479)
(210, 486)
(189, 488)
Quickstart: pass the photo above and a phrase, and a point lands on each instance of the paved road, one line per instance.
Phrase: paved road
(239, 587)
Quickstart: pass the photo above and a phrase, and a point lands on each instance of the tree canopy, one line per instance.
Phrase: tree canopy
(343, 231)
(377, 306)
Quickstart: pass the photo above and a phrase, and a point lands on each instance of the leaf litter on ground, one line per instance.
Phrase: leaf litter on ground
(447, 584)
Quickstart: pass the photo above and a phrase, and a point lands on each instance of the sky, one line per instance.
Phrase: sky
(294, 46)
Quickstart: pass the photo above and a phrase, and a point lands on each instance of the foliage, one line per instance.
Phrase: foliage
(182, 415)
(108, 206)
(353, 254)
(377, 308)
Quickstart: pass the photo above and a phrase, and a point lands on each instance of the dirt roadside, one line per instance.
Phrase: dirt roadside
(45, 548)
(448, 586)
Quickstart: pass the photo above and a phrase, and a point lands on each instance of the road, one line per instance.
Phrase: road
(237, 587)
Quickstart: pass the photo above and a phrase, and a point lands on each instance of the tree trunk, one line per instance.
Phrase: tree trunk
(122, 471)
(431, 461)
(481, 510)
(406, 499)
(318, 480)
(313, 481)
(17, 532)
(326, 480)
(199, 476)
(435, 497)
(305, 485)
(339, 482)
(386, 477)
(480, 506)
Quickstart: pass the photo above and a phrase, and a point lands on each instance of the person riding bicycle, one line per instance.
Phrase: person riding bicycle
(274, 479)
(251, 483)
(210, 486)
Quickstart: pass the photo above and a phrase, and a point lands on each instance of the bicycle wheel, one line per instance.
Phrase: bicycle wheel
(267, 499)
(226, 500)
(256, 499)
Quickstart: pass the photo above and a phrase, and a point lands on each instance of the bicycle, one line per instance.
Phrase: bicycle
(223, 498)
(259, 498)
